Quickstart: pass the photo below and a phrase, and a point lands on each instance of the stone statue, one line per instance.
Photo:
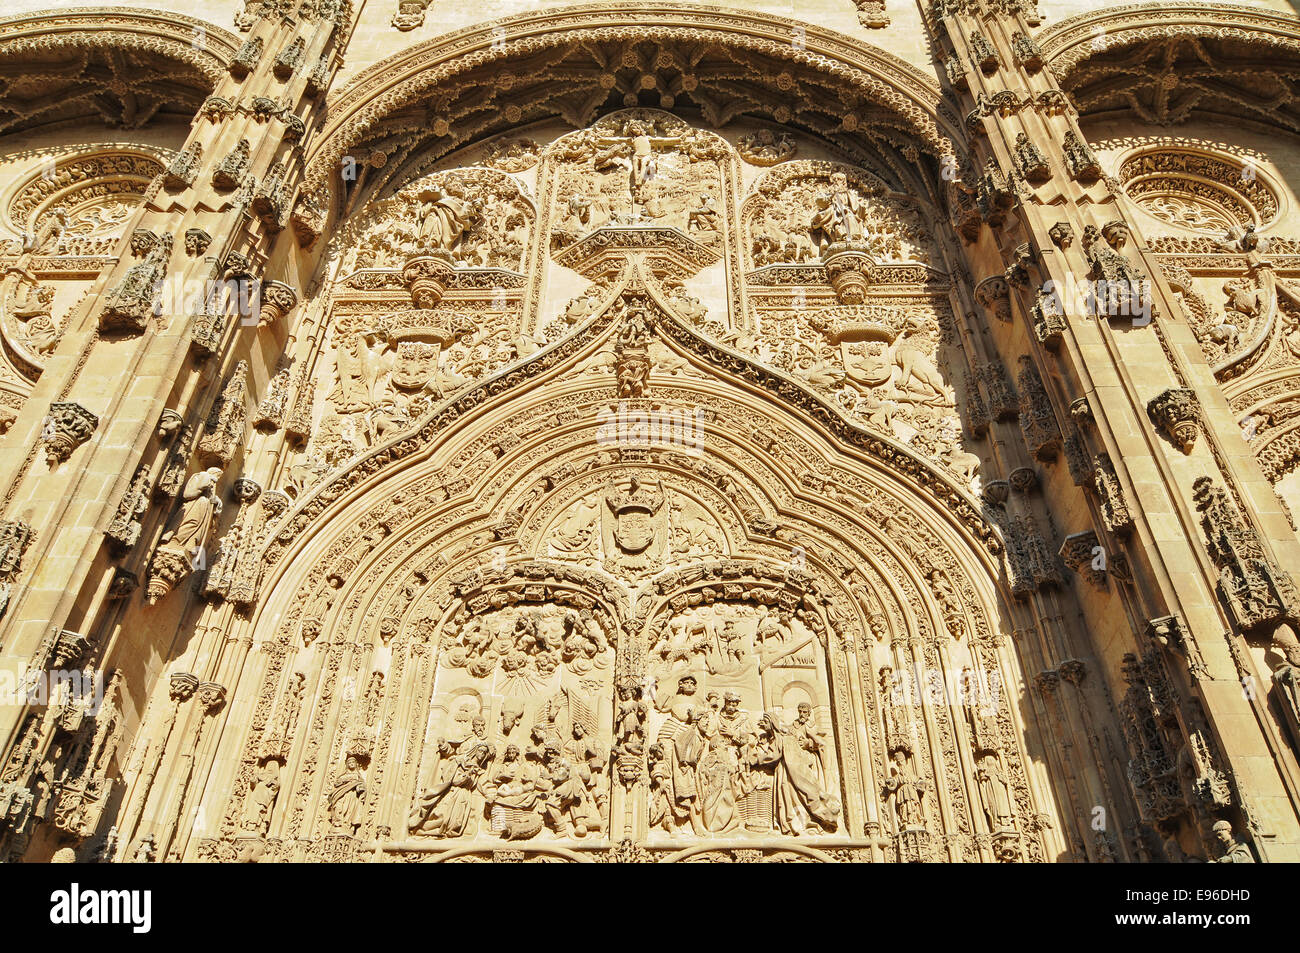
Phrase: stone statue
(347, 798)
(907, 790)
(1234, 851)
(256, 815)
(183, 548)
(914, 365)
(995, 793)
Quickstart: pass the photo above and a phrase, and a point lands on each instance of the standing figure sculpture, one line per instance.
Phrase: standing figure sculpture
(907, 790)
(444, 809)
(347, 798)
(202, 504)
(183, 548)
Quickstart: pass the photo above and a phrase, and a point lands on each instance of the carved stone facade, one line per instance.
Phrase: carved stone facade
(609, 433)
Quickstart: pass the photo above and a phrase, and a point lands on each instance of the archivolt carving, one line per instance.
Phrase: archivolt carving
(156, 62)
(1205, 193)
(694, 55)
(1165, 61)
(560, 686)
(78, 205)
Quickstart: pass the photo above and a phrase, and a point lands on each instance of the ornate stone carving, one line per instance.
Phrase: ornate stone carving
(1030, 161)
(15, 537)
(766, 148)
(994, 294)
(1083, 553)
(245, 60)
(196, 241)
(184, 546)
(1110, 495)
(183, 168)
(410, 14)
(1062, 235)
(277, 300)
(986, 57)
(1027, 52)
(1177, 413)
(1255, 591)
(871, 14)
(67, 427)
(288, 59)
(130, 305)
(224, 430)
(124, 532)
(1037, 418)
(1048, 318)
(1080, 161)
(230, 172)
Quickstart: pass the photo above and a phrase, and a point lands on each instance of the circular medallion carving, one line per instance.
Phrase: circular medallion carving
(1207, 194)
(93, 197)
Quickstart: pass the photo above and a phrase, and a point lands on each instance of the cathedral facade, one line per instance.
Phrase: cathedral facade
(867, 431)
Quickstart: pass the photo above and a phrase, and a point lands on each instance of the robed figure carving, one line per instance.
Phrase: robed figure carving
(444, 219)
(799, 795)
(444, 810)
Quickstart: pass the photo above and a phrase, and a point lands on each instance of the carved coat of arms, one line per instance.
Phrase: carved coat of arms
(635, 530)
